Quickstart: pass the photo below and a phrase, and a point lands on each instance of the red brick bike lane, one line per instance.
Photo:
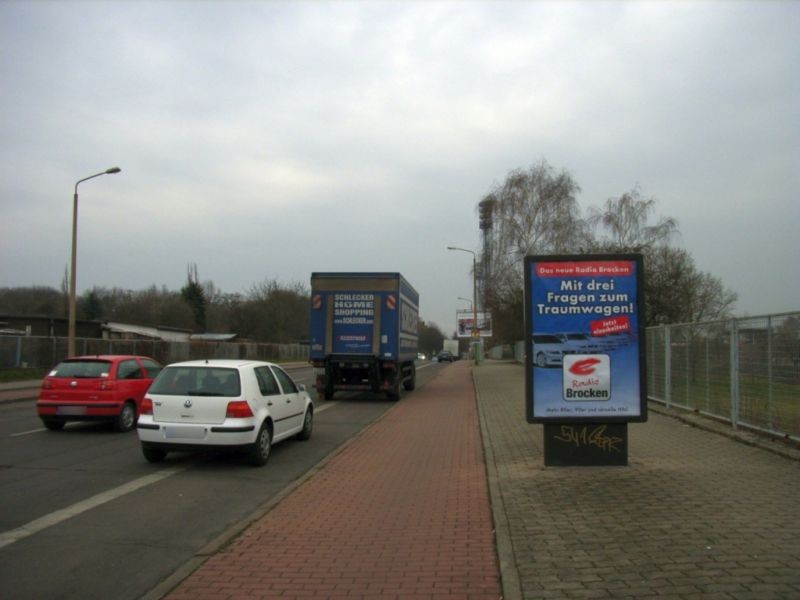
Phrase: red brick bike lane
(401, 512)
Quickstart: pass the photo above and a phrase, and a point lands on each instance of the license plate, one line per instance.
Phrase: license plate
(185, 433)
(71, 410)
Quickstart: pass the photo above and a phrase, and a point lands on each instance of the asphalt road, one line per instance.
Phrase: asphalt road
(83, 515)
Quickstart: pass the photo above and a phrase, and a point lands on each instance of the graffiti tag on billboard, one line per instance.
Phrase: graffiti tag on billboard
(581, 436)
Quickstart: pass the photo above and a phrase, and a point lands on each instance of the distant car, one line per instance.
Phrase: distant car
(548, 350)
(421, 356)
(90, 388)
(235, 404)
(445, 356)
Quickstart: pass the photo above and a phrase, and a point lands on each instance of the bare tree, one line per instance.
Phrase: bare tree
(624, 227)
(535, 211)
(275, 312)
(431, 338)
(677, 292)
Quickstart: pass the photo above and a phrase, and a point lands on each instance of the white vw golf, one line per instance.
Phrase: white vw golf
(239, 404)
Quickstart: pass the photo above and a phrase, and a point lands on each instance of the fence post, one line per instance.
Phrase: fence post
(667, 365)
(734, 374)
(688, 368)
(708, 373)
(651, 353)
(19, 352)
(770, 406)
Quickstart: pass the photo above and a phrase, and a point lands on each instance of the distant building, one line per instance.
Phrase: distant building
(48, 326)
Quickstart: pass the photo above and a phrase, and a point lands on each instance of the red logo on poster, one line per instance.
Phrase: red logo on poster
(391, 302)
(317, 301)
(584, 367)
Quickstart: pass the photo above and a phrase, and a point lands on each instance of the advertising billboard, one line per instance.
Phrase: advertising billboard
(464, 319)
(585, 339)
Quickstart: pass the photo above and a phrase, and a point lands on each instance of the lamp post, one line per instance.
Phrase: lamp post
(466, 300)
(72, 310)
(475, 332)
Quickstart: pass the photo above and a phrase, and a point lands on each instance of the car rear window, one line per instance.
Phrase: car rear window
(197, 381)
(82, 369)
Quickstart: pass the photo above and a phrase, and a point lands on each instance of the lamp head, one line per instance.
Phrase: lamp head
(113, 170)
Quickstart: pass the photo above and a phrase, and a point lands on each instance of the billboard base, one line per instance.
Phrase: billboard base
(586, 444)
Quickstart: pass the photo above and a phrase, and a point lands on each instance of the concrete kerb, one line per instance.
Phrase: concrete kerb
(762, 441)
(509, 576)
(228, 536)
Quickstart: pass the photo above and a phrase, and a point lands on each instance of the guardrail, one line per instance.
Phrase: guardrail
(44, 352)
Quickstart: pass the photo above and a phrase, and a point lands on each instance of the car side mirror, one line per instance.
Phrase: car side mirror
(302, 387)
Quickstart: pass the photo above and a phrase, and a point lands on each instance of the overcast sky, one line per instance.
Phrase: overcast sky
(266, 140)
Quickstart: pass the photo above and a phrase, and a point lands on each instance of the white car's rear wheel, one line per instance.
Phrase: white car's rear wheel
(152, 453)
(259, 451)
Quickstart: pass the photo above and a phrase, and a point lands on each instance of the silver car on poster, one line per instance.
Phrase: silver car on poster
(548, 350)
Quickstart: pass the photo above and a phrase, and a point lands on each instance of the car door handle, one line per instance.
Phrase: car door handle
(289, 401)
(269, 403)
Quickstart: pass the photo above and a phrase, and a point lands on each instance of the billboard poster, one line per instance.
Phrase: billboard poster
(585, 338)
(464, 320)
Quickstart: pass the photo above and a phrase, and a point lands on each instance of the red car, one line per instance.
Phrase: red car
(90, 388)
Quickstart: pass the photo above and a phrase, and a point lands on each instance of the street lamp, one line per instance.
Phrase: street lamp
(466, 300)
(475, 332)
(71, 331)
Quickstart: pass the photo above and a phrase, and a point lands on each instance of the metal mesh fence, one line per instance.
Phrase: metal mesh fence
(746, 371)
(44, 352)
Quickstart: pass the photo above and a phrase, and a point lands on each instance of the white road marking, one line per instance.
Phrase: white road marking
(27, 432)
(14, 535)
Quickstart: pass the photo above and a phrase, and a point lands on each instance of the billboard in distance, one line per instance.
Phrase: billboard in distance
(465, 318)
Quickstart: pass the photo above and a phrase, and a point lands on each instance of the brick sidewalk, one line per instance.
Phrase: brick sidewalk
(402, 512)
(695, 516)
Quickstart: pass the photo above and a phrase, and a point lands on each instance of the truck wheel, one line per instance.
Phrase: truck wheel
(393, 393)
(411, 382)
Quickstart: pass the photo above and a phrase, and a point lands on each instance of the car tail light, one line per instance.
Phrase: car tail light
(107, 384)
(238, 409)
(147, 406)
(47, 384)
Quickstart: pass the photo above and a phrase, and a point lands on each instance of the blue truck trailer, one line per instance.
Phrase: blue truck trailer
(364, 333)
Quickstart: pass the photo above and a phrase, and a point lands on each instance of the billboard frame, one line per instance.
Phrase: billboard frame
(557, 269)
